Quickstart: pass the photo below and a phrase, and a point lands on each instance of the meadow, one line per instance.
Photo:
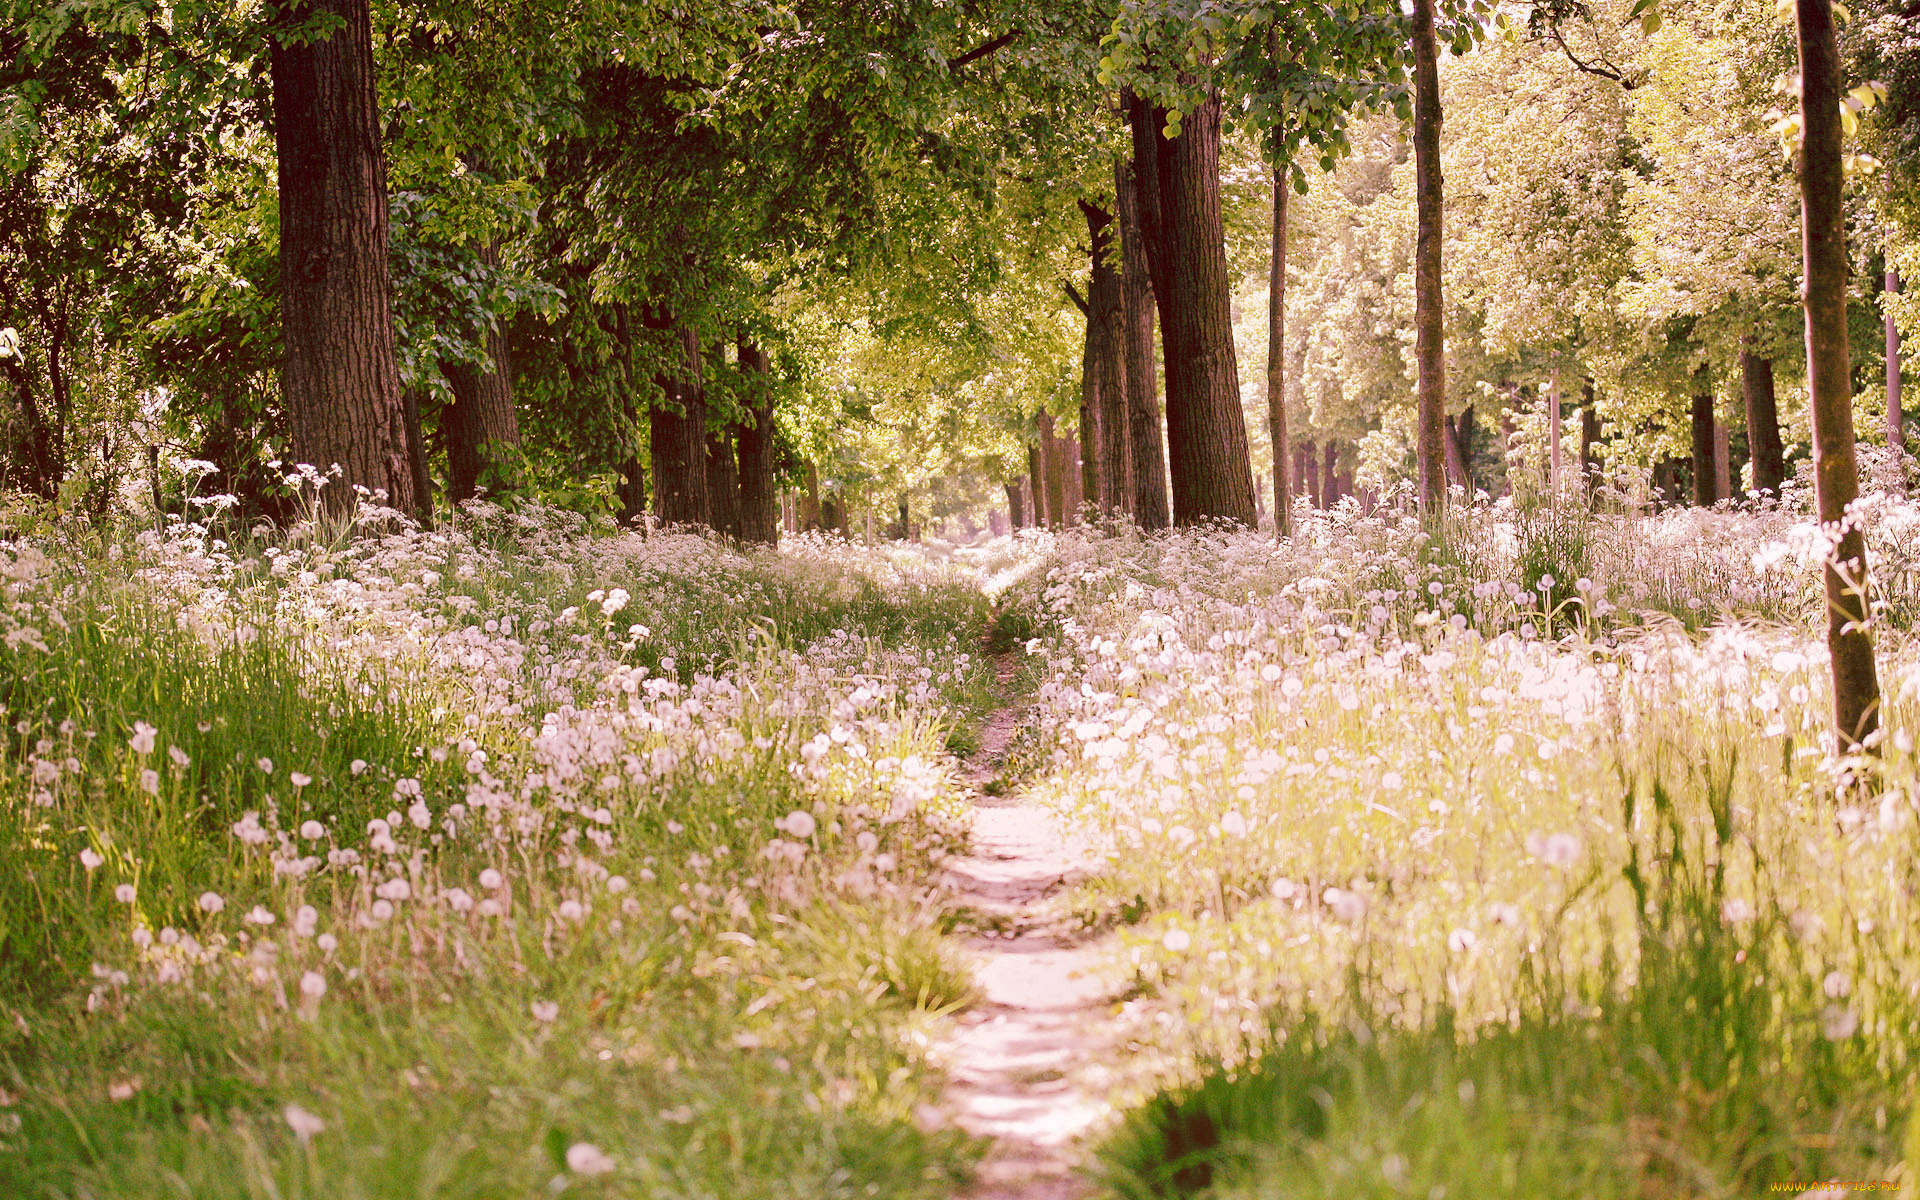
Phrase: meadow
(1504, 857)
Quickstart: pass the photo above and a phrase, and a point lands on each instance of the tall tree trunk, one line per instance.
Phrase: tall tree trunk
(1763, 423)
(723, 483)
(809, 516)
(753, 439)
(340, 381)
(1146, 432)
(1073, 470)
(1331, 487)
(1208, 462)
(1429, 344)
(678, 422)
(1589, 436)
(36, 461)
(1277, 360)
(1016, 505)
(481, 421)
(1704, 470)
(1896, 420)
(1457, 458)
(1037, 485)
(1310, 467)
(1722, 459)
(1836, 474)
(1107, 323)
(1054, 467)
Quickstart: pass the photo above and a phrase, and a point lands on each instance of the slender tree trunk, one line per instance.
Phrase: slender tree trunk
(753, 439)
(1277, 360)
(1589, 437)
(1208, 461)
(1310, 467)
(1763, 424)
(1016, 506)
(340, 381)
(1896, 420)
(1053, 464)
(1107, 322)
(1836, 474)
(1072, 469)
(1429, 343)
(1722, 459)
(1037, 484)
(481, 423)
(679, 438)
(1555, 432)
(1457, 458)
(1704, 470)
(1331, 488)
(1146, 439)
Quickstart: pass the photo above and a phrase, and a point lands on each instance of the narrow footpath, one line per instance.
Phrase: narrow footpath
(1025, 1062)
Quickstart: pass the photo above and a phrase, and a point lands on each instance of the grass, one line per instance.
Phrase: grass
(621, 846)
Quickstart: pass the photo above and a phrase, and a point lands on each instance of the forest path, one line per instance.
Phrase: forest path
(1024, 1063)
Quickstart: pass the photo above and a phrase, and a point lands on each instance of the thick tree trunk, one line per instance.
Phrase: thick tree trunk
(1429, 344)
(1277, 360)
(809, 515)
(1072, 469)
(482, 423)
(1037, 485)
(1107, 331)
(1016, 505)
(1146, 440)
(1896, 420)
(340, 382)
(1836, 473)
(1053, 467)
(1331, 487)
(1310, 468)
(1704, 470)
(679, 436)
(753, 438)
(1208, 461)
(1763, 424)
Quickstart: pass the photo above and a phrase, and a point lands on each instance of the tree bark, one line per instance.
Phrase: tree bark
(1763, 424)
(1896, 420)
(1310, 468)
(482, 416)
(723, 483)
(1590, 436)
(1331, 487)
(1429, 343)
(1054, 470)
(36, 460)
(340, 381)
(678, 432)
(1836, 473)
(1457, 457)
(1704, 470)
(809, 516)
(1072, 470)
(1208, 461)
(753, 439)
(1016, 505)
(1146, 432)
(1555, 434)
(1107, 329)
(1277, 361)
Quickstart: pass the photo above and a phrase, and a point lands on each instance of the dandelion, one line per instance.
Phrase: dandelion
(1176, 940)
(143, 738)
(572, 910)
(1837, 1024)
(150, 781)
(211, 902)
(305, 920)
(585, 1158)
(616, 884)
(303, 1123)
(313, 831)
(122, 1089)
(1838, 985)
(327, 943)
(90, 859)
(258, 915)
(299, 780)
(546, 1011)
(313, 985)
(381, 910)
(798, 824)
(1233, 825)
(491, 879)
(357, 767)
(1345, 905)
(265, 765)
(124, 893)
(459, 900)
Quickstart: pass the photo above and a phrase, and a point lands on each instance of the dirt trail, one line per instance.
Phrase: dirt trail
(1025, 1061)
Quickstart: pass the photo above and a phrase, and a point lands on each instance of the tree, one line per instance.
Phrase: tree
(1836, 473)
(1277, 362)
(1146, 429)
(1429, 337)
(340, 379)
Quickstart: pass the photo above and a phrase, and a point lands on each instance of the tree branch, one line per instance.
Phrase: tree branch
(1079, 302)
(1603, 69)
(984, 49)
